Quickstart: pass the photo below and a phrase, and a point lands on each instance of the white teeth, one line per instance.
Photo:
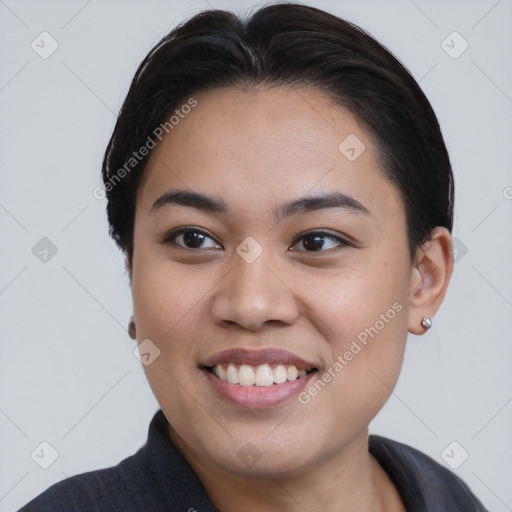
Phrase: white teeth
(261, 375)
(279, 374)
(264, 375)
(292, 373)
(232, 374)
(221, 373)
(246, 375)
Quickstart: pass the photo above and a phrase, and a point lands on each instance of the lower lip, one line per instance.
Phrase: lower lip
(258, 396)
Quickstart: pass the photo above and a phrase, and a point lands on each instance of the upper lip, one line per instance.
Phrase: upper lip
(257, 357)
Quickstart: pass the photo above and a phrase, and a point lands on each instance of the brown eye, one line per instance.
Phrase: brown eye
(191, 238)
(319, 241)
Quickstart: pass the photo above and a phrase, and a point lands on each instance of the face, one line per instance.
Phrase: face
(265, 253)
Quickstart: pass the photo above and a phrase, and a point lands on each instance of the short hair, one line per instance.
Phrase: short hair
(286, 45)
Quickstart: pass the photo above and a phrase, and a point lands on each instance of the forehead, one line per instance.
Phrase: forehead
(255, 146)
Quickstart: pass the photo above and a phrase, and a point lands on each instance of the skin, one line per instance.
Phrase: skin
(256, 149)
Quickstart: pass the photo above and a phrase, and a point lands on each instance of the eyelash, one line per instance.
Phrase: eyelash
(341, 243)
(174, 234)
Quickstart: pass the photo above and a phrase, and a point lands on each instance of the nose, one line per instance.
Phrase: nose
(253, 295)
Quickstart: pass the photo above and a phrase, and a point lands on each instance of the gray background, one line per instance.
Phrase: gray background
(68, 375)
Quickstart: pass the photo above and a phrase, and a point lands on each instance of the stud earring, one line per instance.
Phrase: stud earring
(426, 323)
(131, 329)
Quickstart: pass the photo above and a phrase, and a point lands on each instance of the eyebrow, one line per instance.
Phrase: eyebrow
(320, 202)
(296, 207)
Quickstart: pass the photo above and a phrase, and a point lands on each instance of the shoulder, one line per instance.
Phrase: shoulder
(422, 483)
(156, 478)
(104, 489)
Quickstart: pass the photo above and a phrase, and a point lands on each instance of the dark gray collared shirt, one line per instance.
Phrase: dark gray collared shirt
(159, 479)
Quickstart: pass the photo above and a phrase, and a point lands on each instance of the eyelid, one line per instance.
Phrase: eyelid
(343, 240)
(174, 233)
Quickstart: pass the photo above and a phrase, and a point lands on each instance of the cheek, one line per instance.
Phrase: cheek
(171, 309)
(164, 296)
(166, 303)
(354, 300)
(367, 315)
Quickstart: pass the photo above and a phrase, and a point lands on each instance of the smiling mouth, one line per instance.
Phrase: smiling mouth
(262, 375)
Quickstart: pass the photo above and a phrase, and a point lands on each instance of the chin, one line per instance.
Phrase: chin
(267, 464)
(256, 456)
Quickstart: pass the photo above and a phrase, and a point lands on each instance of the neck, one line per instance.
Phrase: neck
(350, 480)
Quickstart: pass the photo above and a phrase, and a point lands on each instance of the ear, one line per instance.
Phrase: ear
(431, 273)
(132, 329)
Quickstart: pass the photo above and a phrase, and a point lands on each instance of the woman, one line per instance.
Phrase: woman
(284, 198)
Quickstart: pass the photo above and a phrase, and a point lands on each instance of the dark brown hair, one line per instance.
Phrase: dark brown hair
(286, 44)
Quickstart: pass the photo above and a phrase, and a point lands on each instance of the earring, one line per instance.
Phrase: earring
(131, 329)
(426, 323)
